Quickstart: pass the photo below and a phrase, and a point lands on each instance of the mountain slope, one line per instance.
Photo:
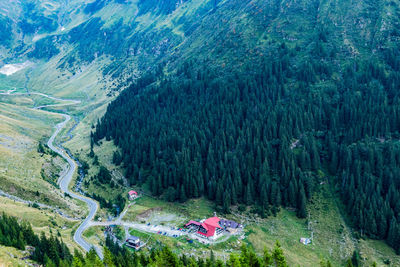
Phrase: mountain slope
(259, 101)
(224, 131)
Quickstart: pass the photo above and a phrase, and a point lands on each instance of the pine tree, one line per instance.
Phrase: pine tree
(355, 259)
(182, 195)
(349, 263)
(268, 260)
(278, 255)
(234, 261)
(108, 260)
(301, 208)
(227, 202)
(292, 194)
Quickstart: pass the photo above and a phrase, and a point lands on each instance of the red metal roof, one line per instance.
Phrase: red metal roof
(210, 225)
(192, 222)
(132, 193)
(213, 221)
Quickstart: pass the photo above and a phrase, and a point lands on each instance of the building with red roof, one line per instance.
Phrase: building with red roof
(192, 224)
(210, 227)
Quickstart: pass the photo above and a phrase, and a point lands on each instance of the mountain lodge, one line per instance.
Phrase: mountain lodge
(213, 227)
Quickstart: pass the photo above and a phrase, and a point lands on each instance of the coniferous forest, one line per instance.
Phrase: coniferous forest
(50, 251)
(268, 133)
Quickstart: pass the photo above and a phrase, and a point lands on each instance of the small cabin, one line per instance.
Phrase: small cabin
(133, 242)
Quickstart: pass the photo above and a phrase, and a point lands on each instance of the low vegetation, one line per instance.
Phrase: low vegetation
(21, 158)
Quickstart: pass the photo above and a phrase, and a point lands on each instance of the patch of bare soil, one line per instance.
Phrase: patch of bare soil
(147, 213)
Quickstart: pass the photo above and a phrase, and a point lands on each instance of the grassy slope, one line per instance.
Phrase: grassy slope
(95, 235)
(20, 130)
(332, 237)
(27, 101)
(41, 220)
(10, 256)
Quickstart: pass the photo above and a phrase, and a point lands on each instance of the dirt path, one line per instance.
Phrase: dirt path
(158, 229)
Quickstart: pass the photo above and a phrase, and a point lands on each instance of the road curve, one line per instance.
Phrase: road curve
(65, 180)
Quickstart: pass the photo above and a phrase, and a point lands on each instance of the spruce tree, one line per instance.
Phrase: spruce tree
(278, 256)
(301, 208)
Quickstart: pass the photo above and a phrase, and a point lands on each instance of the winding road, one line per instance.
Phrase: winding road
(65, 180)
(67, 176)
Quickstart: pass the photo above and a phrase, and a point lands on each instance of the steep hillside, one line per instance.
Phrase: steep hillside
(263, 120)
(141, 34)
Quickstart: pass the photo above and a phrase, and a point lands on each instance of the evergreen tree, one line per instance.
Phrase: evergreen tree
(268, 259)
(182, 196)
(278, 255)
(355, 259)
(301, 209)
